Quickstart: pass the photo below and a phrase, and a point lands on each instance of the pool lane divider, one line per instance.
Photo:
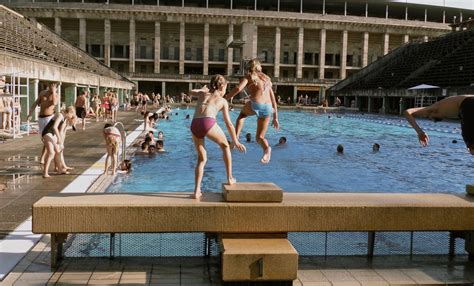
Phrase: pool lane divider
(21, 240)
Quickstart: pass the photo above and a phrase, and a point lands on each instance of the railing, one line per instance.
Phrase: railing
(198, 77)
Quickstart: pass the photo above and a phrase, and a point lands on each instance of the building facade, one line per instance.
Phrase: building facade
(306, 46)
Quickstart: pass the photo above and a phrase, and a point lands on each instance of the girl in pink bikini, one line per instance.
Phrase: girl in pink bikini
(204, 124)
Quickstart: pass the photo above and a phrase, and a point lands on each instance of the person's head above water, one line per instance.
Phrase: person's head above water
(376, 147)
(218, 82)
(282, 140)
(160, 134)
(466, 113)
(248, 137)
(340, 149)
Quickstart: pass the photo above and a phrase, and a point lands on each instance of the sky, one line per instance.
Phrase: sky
(466, 4)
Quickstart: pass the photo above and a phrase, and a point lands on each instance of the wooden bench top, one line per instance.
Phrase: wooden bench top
(177, 212)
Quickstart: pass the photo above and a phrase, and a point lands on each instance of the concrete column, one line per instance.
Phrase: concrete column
(322, 94)
(58, 106)
(365, 49)
(205, 56)
(107, 37)
(295, 94)
(181, 47)
(322, 53)
(230, 52)
(254, 42)
(386, 43)
(71, 95)
(405, 39)
(190, 86)
(82, 34)
(131, 58)
(277, 51)
(157, 46)
(384, 104)
(299, 62)
(33, 96)
(369, 107)
(163, 89)
(57, 25)
(342, 72)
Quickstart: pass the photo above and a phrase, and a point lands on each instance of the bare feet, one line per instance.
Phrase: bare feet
(267, 154)
(231, 181)
(68, 168)
(197, 196)
(46, 176)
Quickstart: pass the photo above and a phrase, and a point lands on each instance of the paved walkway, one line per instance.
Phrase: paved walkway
(313, 271)
(83, 148)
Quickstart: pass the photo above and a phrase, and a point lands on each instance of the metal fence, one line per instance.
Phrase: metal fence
(307, 244)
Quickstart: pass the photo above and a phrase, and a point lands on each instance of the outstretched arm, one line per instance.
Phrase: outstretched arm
(236, 90)
(195, 92)
(275, 122)
(410, 115)
(230, 127)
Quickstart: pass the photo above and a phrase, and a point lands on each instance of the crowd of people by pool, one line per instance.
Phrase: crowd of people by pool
(210, 99)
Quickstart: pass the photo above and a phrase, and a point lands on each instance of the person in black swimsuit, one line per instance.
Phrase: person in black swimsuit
(53, 139)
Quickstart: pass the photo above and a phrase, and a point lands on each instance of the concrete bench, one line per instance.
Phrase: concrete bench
(62, 214)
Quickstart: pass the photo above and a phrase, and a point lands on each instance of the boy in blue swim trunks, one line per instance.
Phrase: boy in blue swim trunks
(262, 103)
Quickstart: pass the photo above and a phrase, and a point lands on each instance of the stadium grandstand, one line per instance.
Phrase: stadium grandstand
(32, 55)
(306, 46)
(415, 74)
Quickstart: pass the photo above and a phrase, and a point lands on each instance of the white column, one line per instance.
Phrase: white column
(342, 72)
(254, 42)
(157, 47)
(132, 46)
(365, 49)
(299, 62)
(277, 51)
(107, 37)
(82, 34)
(58, 106)
(163, 89)
(205, 56)
(181, 47)
(230, 52)
(322, 53)
(405, 39)
(386, 43)
(57, 25)
(36, 92)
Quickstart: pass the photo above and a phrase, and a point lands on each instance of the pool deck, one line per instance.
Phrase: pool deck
(85, 148)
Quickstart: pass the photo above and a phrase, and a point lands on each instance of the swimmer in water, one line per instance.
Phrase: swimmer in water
(204, 124)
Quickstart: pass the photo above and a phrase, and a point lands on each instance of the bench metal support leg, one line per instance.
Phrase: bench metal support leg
(469, 245)
(371, 244)
(57, 240)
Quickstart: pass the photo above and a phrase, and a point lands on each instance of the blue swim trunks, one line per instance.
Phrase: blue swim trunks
(262, 110)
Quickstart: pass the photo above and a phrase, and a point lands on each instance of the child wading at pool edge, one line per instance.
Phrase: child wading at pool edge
(204, 124)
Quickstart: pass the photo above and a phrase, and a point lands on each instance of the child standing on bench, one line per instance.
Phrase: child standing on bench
(204, 124)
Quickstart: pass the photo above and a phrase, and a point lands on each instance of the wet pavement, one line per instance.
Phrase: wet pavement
(20, 168)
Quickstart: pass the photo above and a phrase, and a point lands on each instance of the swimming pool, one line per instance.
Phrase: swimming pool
(309, 162)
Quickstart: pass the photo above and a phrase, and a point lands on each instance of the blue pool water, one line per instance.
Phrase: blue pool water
(309, 162)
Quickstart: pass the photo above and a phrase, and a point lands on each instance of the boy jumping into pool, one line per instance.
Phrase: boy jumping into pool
(454, 107)
(204, 124)
(262, 103)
